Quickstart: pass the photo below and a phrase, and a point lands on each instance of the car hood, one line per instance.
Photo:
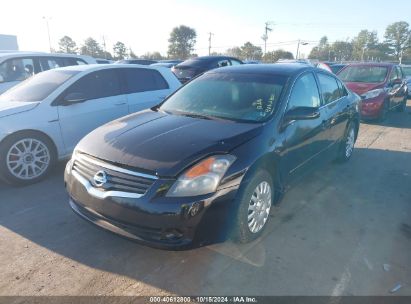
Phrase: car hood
(155, 142)
(362, 87)
(8, 108)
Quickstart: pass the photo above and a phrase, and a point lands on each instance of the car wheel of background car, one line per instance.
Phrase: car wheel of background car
(26, 158)
(347, 145)
(403, 105)
(384, 111)
(254, 208)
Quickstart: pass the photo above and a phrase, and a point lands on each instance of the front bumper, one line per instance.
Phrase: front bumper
(371, 108)
(152, 219)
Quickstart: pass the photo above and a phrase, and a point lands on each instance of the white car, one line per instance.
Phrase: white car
(18, 66)
(43, 118)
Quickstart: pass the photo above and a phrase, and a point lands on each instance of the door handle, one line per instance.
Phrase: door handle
(120, 103)
(162, 97)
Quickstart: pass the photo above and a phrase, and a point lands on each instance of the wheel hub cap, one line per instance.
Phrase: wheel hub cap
(259, 207)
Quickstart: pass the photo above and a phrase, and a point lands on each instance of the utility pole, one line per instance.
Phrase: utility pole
(298, 47)
(104, 47)
(48, 31)
(209, 43)
(265, 36)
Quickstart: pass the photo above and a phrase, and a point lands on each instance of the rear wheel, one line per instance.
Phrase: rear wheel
(254, 208)
(347, 145)
(26, 158)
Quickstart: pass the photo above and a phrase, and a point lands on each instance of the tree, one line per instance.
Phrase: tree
(251, 52)
(341, 50)
(153, 56)
(91, 48)
(274, 56)
(119, 50)
(181, 42)
(67, 45)
(398, 38)
(365, 45)
(234, 52)
(107, 55)
(322, 51)
(131, 54)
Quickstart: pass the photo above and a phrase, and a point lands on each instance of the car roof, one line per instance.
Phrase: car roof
(377, 64)
(210, 58)
(17, 54)
(96, 67)
(288, 69)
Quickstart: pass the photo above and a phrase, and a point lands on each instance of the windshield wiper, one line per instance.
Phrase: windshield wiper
(194, 115)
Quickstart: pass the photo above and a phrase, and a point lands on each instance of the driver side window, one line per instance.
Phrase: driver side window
(304, 93)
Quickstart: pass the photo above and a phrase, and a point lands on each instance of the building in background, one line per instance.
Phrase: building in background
(8, 43)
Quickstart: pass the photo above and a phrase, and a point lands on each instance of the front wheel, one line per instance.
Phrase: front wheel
(347, 145)
(254, 208)
(384, 111)
(26, 158)
(403, 105)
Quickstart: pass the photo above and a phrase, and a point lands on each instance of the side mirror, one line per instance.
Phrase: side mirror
(302, 113)
(74, 97)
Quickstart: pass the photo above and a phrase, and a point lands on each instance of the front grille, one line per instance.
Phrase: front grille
(117, 178)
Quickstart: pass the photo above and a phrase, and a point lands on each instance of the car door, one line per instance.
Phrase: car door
(145, 88)
(394, 88)
(303, 139)
(335, 107)
(100, 99)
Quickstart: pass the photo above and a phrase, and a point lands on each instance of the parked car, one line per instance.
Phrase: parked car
(382, 87)
(190, 68)
(103, 61)
(406, 69)
(136, 61)
(18, 66)
(167, 63)
(234, 138)
(336, 67)
(44, 117)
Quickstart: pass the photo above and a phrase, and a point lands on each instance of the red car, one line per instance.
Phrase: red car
(382, 87)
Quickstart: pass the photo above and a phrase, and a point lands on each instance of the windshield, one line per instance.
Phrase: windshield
(38, 87)
(369, 74)
(240, 97)
(407, 71)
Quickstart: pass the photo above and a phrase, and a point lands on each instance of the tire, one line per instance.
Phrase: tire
(258, 193)
(384, 111)
(26, 158)
(403, 105)
(347, 144)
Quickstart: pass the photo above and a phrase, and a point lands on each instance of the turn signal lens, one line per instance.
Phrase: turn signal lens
(202, 178)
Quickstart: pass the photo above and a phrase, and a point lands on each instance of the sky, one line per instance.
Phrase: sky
(145, 26)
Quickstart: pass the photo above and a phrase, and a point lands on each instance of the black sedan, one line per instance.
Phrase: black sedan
(234, 137)
(191, 68)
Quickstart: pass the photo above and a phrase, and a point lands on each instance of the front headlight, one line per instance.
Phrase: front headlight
(372, 93)
(202, 178)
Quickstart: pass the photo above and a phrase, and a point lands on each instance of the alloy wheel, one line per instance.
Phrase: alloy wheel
(28, 158)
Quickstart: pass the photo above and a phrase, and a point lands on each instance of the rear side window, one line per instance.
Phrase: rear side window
(304, 93)
(142, 80)
(49, 63)
(329, 88)
(16, 69)
(98, 84)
